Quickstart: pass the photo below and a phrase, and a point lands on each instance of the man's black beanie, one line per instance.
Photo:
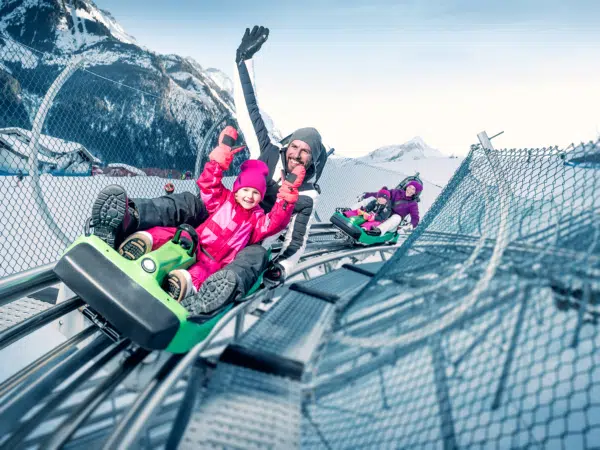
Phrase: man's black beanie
(309, 135)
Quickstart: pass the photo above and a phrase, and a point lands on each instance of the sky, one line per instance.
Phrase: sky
(373, 73)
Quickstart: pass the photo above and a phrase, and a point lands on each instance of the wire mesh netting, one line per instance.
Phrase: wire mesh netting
(482, 329)
(67, 131)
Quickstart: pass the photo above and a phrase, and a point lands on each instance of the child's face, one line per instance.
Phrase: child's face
(410, 191)
(247, 197)
(381, 200)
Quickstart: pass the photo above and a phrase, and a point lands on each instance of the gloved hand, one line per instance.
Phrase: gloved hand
(251, 43)
(369, 216)
(223, 153)
(361, 197)
(274, 275)
(289, 188)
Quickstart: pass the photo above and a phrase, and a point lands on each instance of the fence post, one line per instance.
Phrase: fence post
(36, 130)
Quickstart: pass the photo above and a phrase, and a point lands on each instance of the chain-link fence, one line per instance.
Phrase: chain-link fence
(67, 130)
(482, 330)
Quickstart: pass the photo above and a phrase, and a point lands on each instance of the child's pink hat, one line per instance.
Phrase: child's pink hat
(252, 174)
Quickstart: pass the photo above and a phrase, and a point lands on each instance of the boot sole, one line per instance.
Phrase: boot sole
(108, 213)
(217, 290)
(134, 248)
(173, 287)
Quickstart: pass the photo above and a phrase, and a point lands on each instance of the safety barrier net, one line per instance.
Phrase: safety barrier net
(482, 330)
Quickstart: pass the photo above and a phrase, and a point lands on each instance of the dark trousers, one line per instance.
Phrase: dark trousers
(176, 209)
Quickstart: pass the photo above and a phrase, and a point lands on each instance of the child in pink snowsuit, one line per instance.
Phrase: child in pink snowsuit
(236, 219)
(374, 213)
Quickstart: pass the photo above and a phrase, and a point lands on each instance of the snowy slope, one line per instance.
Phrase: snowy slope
(415, 156)
(344, 179)
(225, 83)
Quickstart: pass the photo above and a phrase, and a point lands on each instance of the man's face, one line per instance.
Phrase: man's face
(298, 152)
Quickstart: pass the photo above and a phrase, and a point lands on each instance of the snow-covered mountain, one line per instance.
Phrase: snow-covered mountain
(415, 156)
(225, 83)
(159, 123)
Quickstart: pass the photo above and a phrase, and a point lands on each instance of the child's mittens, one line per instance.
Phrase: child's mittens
(289, 188)
(223, 154)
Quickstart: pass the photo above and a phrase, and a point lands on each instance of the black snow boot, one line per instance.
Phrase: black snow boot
(374, 232)
(112, 215)
(217, 290)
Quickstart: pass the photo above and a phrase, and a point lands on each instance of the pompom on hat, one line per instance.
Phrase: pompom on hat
(384, 193)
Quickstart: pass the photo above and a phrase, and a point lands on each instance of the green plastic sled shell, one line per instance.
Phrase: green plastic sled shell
(129, 296)
(351, 226)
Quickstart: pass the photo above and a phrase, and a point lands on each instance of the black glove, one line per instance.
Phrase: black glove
(251, 43)
(274, 275)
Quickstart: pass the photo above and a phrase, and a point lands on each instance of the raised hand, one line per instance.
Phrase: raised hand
(251, 43)
(289, 188)
(223, 154)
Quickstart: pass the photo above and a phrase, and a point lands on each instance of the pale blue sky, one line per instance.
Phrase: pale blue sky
(374, 73)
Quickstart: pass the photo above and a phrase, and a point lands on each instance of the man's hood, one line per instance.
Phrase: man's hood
(318, 152)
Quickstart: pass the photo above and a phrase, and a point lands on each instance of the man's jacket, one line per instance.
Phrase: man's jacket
(262, 147)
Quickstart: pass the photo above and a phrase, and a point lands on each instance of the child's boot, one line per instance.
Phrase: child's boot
(112, 214)
(218, 289)
(136, 245)
(179, 285)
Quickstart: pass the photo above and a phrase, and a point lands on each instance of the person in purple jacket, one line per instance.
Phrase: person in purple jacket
(403, 204)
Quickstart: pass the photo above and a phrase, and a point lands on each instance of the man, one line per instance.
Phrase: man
(114, 216)
(305, 147)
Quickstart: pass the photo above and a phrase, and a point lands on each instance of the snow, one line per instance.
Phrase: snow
(127, 167)
(344, 179)
(180, 76)
(26, 236)
(200, 88)
(412, 157)
(106, 19)
(49, 143)
(17, 16)
(219, 78)
(218, 97)
(27, 349)
(69, 201)
(274, 132)
(27, 58)
(181, 97)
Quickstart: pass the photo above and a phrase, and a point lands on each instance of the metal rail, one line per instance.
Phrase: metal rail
(148, 401)
(22, 284)
(46, 361)
(59, 397)
(132, 425)
(12, 411)
(28, 326)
